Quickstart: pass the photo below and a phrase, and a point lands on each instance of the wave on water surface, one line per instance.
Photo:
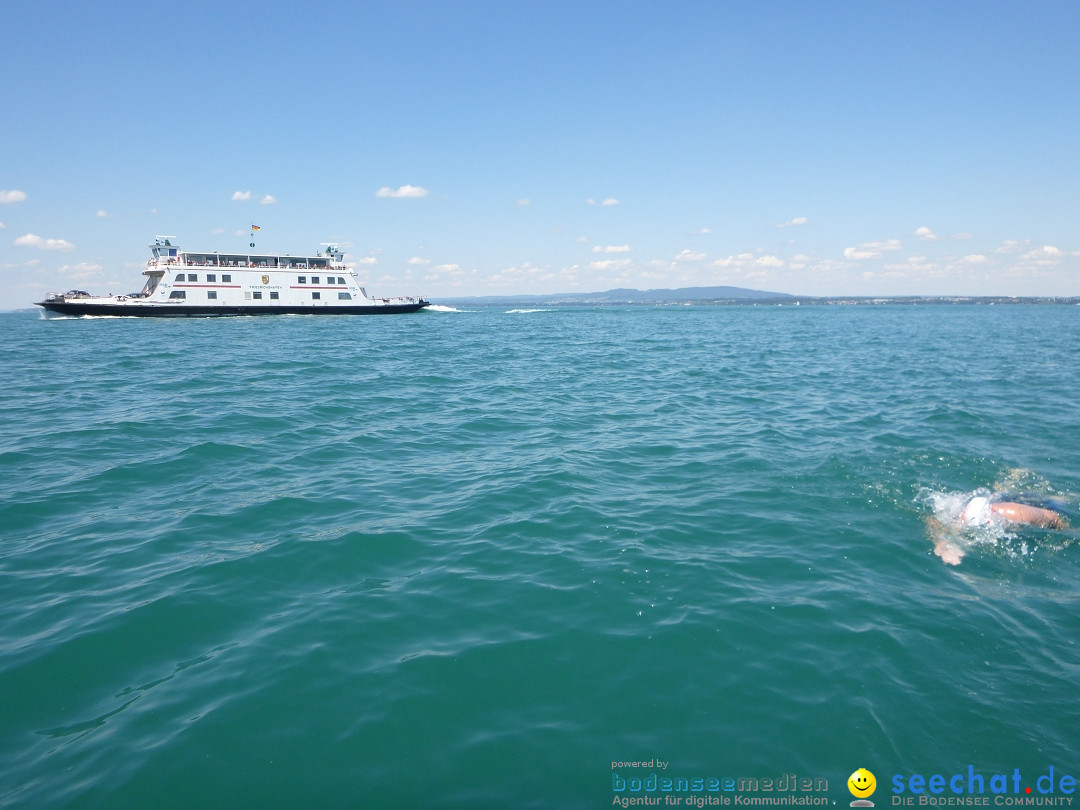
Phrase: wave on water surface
(468, 562)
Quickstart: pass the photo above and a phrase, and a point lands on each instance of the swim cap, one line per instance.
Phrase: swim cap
(976, 512)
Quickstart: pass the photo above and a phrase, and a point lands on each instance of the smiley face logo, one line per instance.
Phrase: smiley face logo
(861, 783)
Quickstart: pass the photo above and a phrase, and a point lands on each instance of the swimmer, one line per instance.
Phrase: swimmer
(981, 511)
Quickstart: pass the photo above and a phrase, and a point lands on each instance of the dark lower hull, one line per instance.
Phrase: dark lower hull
(77, 309)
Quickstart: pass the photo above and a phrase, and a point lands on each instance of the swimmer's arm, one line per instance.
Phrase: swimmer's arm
(1032, 515)
(944, 547)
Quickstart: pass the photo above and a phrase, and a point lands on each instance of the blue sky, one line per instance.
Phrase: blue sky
(474, 148)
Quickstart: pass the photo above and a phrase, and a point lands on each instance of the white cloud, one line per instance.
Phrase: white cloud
(926, 234)
(974, 258)
(1041, 258)
(402, 192)
(690, 256)
(871, 250)
(703, 231)
(610, 201)
(524, 201)
(609, 264)
(888, 244)
(859, 255)
(750, 261)
(914, 264)
(241, 195)
(367, 260)
(769, 261)
(82, 270)
(2, 225)
(417, 260)
(1031, 257)
(12, 196)
(33, 240)
(530, 274)
(451, 274)
(790, 222)
(268, 200)
(611, 249)
(102, 213)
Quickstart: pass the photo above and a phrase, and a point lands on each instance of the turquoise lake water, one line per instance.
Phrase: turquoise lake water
(486, 558)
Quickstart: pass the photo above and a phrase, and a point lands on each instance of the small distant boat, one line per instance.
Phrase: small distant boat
(181, 283)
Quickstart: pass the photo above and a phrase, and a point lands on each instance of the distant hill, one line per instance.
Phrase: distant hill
(625, 296)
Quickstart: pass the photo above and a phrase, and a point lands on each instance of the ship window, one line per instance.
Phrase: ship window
(340, 280)
(212, 295)
(178, 294)
(226, 278)
(314, 296)
(247, 295)
(256, 295)
(192, 277)
(314, 279)
(179, 277)
(211, 276)
(273, 296)
(301, 280)
(344, 296)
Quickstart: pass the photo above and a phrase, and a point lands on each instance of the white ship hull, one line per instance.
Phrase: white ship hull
(118, 307)
(197, 285)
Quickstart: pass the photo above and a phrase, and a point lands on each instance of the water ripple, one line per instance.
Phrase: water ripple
(470, 558)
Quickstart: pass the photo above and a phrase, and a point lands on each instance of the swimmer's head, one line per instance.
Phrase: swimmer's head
(976, 512)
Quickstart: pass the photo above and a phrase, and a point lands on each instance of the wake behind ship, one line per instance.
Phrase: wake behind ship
(181, 283)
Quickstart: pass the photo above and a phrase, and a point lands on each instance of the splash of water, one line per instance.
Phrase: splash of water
(954, 537)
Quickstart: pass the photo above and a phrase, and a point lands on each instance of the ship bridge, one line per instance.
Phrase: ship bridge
(164, 247)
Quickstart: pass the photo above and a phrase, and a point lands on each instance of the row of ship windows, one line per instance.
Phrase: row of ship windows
(256, 296)
(190, 262)
(227, 277)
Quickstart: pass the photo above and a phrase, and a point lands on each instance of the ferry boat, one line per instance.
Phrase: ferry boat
(182, 283)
